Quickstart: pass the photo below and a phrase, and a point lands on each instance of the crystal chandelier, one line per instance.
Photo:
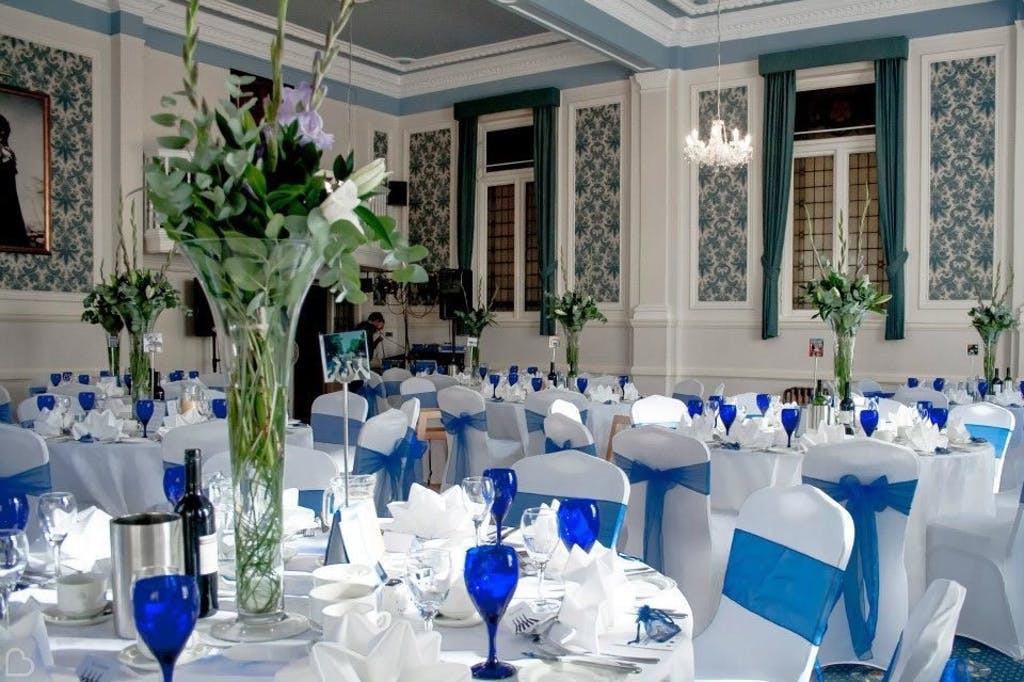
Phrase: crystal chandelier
(718, 151)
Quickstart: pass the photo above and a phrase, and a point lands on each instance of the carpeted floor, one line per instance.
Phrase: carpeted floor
(984, 664)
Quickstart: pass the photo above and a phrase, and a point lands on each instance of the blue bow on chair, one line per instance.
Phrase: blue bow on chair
(457, 427)
(860, 582)
(411, 449)
(5, 414)
(391, 388)
(534, 421)
(696, 477)
(370, 393)
(427, 398)
(389, 486)
(33, 482)
(996, 435)
(329, 428)
(551, 446)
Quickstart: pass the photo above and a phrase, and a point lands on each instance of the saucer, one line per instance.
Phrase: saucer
(469, 621)
(132, 657)
(53, 614)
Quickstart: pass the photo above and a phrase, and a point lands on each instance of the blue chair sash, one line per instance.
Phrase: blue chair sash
(610, 515)
(312, 499)
(696, 477)
(667, 425)
(411, 450)
(389, 486)
(996, 435)
(329, 428)
(791, 589)
(584, 416)
(427, 398)
(686, 396)
(534, 421)
(551, 446)
(5, 414)
(955, 671)
(391, 388)
(457, 425)
(370, 393)
(860, 582)
(32, 482)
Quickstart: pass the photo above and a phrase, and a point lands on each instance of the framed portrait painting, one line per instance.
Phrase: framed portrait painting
(24, 170)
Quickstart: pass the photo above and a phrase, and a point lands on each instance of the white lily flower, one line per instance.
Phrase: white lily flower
(341, 203)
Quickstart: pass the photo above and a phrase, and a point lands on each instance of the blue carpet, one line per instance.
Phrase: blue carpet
(984, 664)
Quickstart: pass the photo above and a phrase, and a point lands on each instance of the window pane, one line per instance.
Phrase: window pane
(501, 251)
(812, 196)
(509, 148)
(866, 248)
(532, 250)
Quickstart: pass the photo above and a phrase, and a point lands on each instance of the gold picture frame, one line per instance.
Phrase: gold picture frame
(25, 199)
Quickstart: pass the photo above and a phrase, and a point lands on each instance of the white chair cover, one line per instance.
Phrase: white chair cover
(327, 419)
(911, 396)
(537, 406)
(985, 554)
(575, 474)
(566, 409)
(419, 387)
(214, 381)
(685, 538)
(868, 460)
(28, 409)
(459, 403)
(991, 422)
(310, 471)
(378, 444)
(657, 409)
(411, 409)
(928, 637)
(565, 433)
(6, 412)
(24, 468)
(442, 381)
(887, 408)
(746, 402)
(772, 575)
(687, 389)
(866, 387)
(393, 379)
(219, 463)
(376, 396)
(210, 437)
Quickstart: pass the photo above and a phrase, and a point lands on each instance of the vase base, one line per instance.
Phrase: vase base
(261, 628)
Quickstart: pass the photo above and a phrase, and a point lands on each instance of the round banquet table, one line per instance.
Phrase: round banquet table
(124, 477)
(467, 645)
(507, 420)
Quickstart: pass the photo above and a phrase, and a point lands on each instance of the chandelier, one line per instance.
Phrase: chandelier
(718, 151)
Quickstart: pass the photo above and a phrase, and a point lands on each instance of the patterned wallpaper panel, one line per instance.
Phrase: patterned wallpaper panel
(380, 145)
(963, 142)
(430, 194)
(722, 209)
(598, 199)
(67, 78)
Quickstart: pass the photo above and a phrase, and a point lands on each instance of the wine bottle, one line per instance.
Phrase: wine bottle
(158, 390)
(552, 376)
(198, 526)
(819, 395)
(1008, 381)
(847, 410)
(997, 384)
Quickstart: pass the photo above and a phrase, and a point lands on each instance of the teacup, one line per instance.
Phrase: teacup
(458, 605)
(81, 595)
(332, 616)
(329, 594)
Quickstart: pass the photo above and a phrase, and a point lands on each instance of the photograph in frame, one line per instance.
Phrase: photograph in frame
(24, 171)
(344, 357)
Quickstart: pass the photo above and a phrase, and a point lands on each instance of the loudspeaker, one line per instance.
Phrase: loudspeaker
(202, 317)
(454, 291)
(398, 193)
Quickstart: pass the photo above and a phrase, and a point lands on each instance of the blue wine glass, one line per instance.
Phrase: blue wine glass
(623, 380)
(764, 401)
(505, 486)
(728, 414)
(578, 523)
(482, 371)
(176, 375)
(495, 379)
(193, 374)
(790, 417)
(581, 384)
(537, 383)
(938, 416)
(531, 370)
(982, 389)
(695, 406)
(104, 373)
(513, 369)
(219, 407)
(174, 483)
(922, 408)
(144, 411)
(913, 382)
(165, 608)
(939, 383)
(14, 511)
(46, 401)
(87, 399)
(513, 378)
(127, 379)
(869, 421)
(491, 573)
(67, 375)
(83, 379)
(55, 379)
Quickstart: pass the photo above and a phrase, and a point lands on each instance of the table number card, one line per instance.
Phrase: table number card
(816, 347)
(554, 342)
(153, 342)
(472, 342)
(355, 536)
(972, 349)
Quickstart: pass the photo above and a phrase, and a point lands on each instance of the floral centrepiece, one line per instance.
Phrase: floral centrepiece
(573, 309)
(100, 308)
(474, 321)
(992, 319)
(843, 298)
(258, 219)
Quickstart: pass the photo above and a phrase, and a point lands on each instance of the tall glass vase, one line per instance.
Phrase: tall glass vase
(988, 359)
(843, 360)
(256, 288)
(475, 355)
(114, 355)
(139, 366)
(572, 351)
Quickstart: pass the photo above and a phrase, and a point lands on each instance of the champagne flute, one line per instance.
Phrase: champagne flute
(428, 573)
(790, 417)
(58, 512)
(479, 492)
(166, 608)
(13, 561)
(491, 574)
(540, 535)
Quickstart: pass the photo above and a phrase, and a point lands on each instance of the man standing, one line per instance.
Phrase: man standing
(373, 326)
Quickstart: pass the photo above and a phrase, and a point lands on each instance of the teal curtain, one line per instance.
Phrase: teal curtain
(841, 53)
(466, 193)
(545, 149)
(890, 99)
(779, 112)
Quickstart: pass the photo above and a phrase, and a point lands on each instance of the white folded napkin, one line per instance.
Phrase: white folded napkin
(101, 425)
(925, 437)
(603, 393)
(958, 396)
(751, 434)
(596, 591)
(89, 542)
(823, 434)
(904, 416)
(430, 515)
(186, 418)
(49, 423)
(295, 519)
(701, 426)
(630, 392)
(956, 432)
(1007, 397)
(25, 648)
(107, 388)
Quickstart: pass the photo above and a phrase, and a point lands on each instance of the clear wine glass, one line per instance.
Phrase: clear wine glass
(540, 535)
(57, 512)
(428, 573)
(479, 492)
(13, 561)
(714, 402)
(922, 408)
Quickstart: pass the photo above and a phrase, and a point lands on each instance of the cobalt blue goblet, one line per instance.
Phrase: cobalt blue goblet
(728, 414)
(482, 371)
(922, 408)
(46, 401)
(165, 608)
(127, 379)
(982, 389)
(174, 483)
(505, 485)
(869, 421)
(939, 383)
(581, 384)
(67, 375)
(87, 399)
(938, 416)
(578, 523)
(55, 378)
(491, 573)
(144, 411)
(537, 383)
(531, 370)
(695, 406)
(495, 379)
(764, 401)
(14, 511)
(219, 407)
(623, 380)
(790, 417)
(513, 369)
(83, 379)
(913, 382)
(513, 378)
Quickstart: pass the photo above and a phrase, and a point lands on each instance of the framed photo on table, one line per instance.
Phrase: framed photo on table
(24, 170)
(344, 357)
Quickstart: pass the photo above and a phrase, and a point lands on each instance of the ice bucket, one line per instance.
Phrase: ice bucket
(137, 541)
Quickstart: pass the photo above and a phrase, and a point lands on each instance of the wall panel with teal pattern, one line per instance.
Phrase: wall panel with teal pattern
(430, 194)
(963, 176)
(380, 144)
(598, 200)
(67, 78)
(722, 209)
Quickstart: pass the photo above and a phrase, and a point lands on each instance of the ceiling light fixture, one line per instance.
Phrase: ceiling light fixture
(718, 151)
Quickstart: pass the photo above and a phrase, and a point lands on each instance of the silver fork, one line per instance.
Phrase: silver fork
(553, 648)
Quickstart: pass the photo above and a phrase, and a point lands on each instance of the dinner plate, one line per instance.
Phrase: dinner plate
(649, 585)
(469, 621)
(562, 672)
(53, 614)
(133, 657)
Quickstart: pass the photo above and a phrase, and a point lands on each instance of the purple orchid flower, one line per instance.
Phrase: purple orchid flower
(295, 106)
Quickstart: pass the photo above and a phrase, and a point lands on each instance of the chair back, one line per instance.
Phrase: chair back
(327, 419)
(746, 402)
(681, 549)
(6, 413)
(393, 378)
(911, 396)
(688, 389)
(991, 422)
(213, 380)
(210, 437)
(411, 409)
(468, 453)
(376, 398)
(573, 474)
(565, 433)
(419, 387)
(657, 409)
(537, 406)
(928, 637)
(310, 471)
(566, 409)
(219, 462)
(784, 573)
(867, 622)
(28, 409)
(887, 408)
(24, 468)
(868, 388)
(442, 381)
(378, 454)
